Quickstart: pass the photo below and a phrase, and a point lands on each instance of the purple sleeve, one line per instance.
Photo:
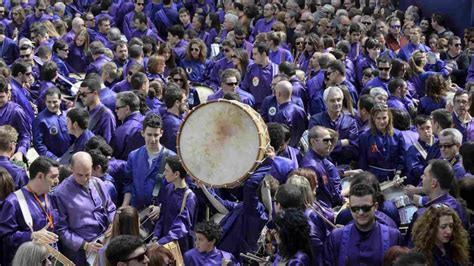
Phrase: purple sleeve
(67, 236)
(363, 151)
(183, 223)
(20, 123)
(9, 225)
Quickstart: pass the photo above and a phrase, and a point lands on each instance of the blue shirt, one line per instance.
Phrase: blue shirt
(50, 135)
(128, 136)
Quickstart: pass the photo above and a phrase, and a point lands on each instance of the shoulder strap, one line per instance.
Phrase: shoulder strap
(161, 168)
(99, 191)
(385, 237)
(421, 150)
(185, 197)
(274, 70)
(346, 234)
(95, 120)
(24, 208)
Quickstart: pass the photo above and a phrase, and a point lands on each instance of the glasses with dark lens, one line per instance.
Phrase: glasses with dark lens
(139, 258)
(299, 43)
(395, 26)
(446, 146)
(177, 80)
(364, 208)
(119, 107)
(231, 83)
(326, 140)
(457, 45)
(367, 23)
(25, 55)
(195, 49)
(140, 4)
(41, 10)
(384, 68)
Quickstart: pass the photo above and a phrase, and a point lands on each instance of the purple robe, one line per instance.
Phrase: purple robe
(293, 154)
(171, 124)
(197, 71)
(214, 80)
(280, 55)
(102, 122)
(428, 105)
(360, 248)
(9, 50)
(386, 214)
(329, 189)
(13, 229)
(18, 173)
(176, 223)
(121, 86)
(107, 97)
(77, 59)
(346, 126)
(84, 214)
(141, 177)
(258, 81)
(50, 135)
(127, 137)
(407, 50)
(12, 114)
(362, 64)
(30, 20)
(262, 25)
(269, 106)
(462, 127)
(316, 87)
(22, 97)
(214, 257)
(96, 66)
(382, 155)
(294, 117)
(415, 163)
(281, 168)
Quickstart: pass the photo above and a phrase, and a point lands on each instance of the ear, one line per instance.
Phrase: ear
(376, 205)
(142, 132)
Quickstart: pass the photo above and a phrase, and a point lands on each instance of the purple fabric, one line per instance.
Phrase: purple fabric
(50, 135)
(258, 81)
(407, 50)
(77, 59)
(262, 26)
(84, 214)
(300, 258)
(214, 257)
(428, 105)
(293, 154)
(415, 164)
(295, 118)
(105, 125)
(171, 124)
(12, 114)
(245, 97)
(128, 136)
(216, 71)
(18, 173)
(96, 66)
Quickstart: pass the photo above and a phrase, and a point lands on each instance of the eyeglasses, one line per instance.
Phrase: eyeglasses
(177, 80)
(446, 146)
(139, 258)
(41, 10)
(240, 38)
(364, 208)
(310, 43)
(119, 107)
(140, 4)
(65, 49)
(384, 68)
(299, 43)
(195, 49)
(233, 56)
(25, 55)
(457, 45)
(89, 19)
(231, 83)
(395, 26)
(367, 23)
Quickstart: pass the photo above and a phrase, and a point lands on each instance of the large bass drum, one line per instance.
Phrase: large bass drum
(221, 142)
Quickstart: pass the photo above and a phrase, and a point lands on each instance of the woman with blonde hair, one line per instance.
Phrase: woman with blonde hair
(381, 148)
(417, 63)
(18, 18)
(156, 68)
(441, 237)
(195, 63)
(241, 61)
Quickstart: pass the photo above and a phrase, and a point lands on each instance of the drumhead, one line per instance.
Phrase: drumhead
(221, 142)
(203, 92)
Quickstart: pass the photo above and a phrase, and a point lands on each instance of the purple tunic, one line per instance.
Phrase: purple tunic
(197, 71)
(13, 229)
(214, 257)
(22, 97)
(128, 136)
(295, 118)
(360, 248)
(96, 66)
(362, 64)
(245, 97)
(84, 214)
(18, 173)
(141, 177)
(387, 214)
(269, 106)
(12, 114)
(293, 154)
(174, 223)
(415, 163)
(280, 55)
(382, 155)
(329, 189)
(428, 105)
(171, 124)
(262, 25)
(77, 59)
(462, 127)
(346, 126)
(407, 50)
(258, 81)
(121, 86)
(102, 122)
(215, 72)
(50, 135)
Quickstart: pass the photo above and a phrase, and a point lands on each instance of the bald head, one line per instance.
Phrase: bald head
(283, 91)
(81, 165)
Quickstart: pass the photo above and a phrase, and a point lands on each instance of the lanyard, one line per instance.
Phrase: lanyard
(49, 216)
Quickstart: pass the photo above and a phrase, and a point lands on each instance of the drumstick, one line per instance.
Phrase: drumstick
(322, 217)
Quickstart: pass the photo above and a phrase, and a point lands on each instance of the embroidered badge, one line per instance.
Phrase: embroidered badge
(373, 148)
(272, 111)
(53, 130)
(255, 81)
(189, 70)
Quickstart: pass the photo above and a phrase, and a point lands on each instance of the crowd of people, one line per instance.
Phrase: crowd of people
(359, 98)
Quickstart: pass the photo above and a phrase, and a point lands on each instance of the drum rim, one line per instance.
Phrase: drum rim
(249, 172)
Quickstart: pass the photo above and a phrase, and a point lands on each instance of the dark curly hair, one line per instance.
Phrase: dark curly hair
(425, 230)
(293, 230)
(210, 230)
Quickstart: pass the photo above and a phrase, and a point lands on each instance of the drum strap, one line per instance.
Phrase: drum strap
(421, 150)
(185, 197)
(101, 195)
(159, 176)
(215, 203)
(346, 234)
(24, 209)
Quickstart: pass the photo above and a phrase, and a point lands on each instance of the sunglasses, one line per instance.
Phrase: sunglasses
(310, 43)
(231, 83)
(457, 45)
(140, 4)
(195, 49)
(178, 80)
(395, 26)
(367, 23)
(364, 208)
(326, 140)
(25, 56)
(42, 10)
(299, 43)
(384, 68)
(445, 146)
